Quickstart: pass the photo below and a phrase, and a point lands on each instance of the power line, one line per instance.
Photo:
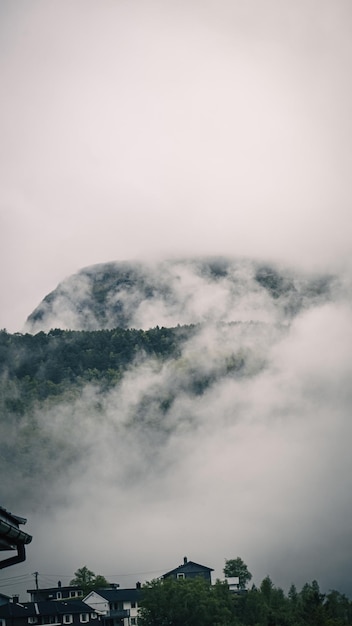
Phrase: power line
(112, 575)
(12, 577)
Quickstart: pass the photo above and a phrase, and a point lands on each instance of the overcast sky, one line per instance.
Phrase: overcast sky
(158, 128)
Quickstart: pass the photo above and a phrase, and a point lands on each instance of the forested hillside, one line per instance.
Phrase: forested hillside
(45, 373)
(203, 402)
(50, 364)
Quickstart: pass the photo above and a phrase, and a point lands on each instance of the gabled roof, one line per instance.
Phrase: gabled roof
(118, 595)
(46, 608)
(189, 567)
(60, 607)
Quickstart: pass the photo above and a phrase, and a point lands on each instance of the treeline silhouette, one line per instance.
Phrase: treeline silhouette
(193, 602)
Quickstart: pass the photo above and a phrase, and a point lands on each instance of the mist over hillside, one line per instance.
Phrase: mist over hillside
(188, 291)
(195, 407)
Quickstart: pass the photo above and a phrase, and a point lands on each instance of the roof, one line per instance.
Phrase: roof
(10, 534)
(190, 567)
(46, 607)
(14, 518)
(12, 609)
(5, 597)
(49, 607)
(60, 588)
(118, 595)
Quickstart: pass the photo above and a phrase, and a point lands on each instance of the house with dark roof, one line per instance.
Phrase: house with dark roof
(75, 613)
(190, 569)
(117, 607)
(56, 593)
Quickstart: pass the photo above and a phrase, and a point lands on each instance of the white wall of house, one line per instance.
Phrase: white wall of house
(132, 619)
(100, 605)
(97, 602)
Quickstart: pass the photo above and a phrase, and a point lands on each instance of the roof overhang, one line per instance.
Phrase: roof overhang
(12, 538)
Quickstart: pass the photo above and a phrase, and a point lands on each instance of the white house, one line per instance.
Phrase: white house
(117, 607)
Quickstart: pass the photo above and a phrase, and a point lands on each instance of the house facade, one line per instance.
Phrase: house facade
(117, 607)
(55, 593)
(66, 606)
(55, 613)
(190, 569)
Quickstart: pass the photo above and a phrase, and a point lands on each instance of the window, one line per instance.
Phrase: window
(67, 619)
(84, 617)
(181, 575)
(133, 621)
(72, 594)
(133, 605)
(93, 616)
(59, 595)
(32, 620)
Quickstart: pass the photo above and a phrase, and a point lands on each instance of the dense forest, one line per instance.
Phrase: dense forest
(46, 375)
(49, 364)
(195, 603)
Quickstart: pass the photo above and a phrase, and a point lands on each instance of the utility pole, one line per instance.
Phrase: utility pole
(36, 574)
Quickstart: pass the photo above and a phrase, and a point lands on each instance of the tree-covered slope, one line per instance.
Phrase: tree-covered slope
(103, 350)
(200, 399)
(48, 364)
(77, 374)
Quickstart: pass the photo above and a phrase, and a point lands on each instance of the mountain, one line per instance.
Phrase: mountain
(189, 291)
(177, 330)
(197, 405)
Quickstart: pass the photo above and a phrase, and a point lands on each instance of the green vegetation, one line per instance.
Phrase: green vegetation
(188, 602)
(86, 580)
(193, 602)
(58, 364)
(49, 364)
(53, 384)
(238, 569)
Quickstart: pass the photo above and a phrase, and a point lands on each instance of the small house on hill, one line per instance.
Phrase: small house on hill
(190, 569)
